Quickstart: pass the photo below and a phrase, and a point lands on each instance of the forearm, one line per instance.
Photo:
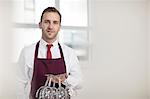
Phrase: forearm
(20, 88)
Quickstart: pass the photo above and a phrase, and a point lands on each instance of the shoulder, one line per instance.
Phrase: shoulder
(69, 53)
(26, 56)
(67, 49)
(28, 50)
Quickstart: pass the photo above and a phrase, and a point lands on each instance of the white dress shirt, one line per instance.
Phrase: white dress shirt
(26, 64)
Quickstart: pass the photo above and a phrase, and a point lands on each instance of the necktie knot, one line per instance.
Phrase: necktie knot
(49, 55)
(49, 46)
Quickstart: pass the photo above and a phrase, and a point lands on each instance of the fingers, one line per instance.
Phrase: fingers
(57, 78)
(61, 78)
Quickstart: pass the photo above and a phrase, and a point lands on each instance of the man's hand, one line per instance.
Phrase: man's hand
(59, 78)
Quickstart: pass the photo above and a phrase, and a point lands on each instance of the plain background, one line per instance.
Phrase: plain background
(119, 65)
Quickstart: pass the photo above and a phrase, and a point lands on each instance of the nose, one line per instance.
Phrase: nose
(51, 25)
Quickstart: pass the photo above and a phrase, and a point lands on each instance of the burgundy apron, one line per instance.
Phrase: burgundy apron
(45, 66)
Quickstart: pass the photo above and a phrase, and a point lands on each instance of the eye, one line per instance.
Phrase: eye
(46, 21)
(56, 22)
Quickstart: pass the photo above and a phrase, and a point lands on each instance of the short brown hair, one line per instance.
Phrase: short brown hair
(51, 9)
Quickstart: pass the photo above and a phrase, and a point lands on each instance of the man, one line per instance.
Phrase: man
(47, 56)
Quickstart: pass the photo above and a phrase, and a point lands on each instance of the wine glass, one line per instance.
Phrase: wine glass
(61, 90)
(45, 92)
(54, 91)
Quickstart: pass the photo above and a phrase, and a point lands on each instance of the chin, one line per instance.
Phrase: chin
(51, 37)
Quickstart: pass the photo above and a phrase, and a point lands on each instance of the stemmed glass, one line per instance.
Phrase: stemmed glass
(61, 90)
(45, 92)
(49, 90)
(54, 92)
(67, 88)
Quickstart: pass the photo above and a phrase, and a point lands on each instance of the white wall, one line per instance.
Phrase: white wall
(148, 37)
(7, 77)
(118, 69)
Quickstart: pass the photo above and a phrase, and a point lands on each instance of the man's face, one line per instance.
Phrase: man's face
(50, 26)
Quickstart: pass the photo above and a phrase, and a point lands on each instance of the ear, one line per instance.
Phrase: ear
(59, 27)
(40, 25)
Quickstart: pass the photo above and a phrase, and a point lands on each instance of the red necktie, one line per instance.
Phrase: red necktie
(49, 55)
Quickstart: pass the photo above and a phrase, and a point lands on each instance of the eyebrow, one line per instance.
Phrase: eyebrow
(53, 21)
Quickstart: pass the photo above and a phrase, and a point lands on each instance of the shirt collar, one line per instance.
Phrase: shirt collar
(44, 43)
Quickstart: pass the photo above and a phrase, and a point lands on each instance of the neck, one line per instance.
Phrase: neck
(49, 41)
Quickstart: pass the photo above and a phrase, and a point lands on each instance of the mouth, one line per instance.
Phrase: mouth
(50, 31)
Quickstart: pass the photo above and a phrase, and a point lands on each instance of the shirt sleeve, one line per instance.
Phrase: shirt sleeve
(22, 79)
(75, 77)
